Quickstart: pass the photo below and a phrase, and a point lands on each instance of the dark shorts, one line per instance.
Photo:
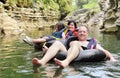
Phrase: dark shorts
(50, 38)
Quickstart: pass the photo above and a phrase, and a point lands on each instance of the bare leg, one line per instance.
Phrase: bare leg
(72, 53)
(31, 41)
(39, 40)
(51, 52)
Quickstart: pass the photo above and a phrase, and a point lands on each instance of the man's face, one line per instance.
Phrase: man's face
(82, 33)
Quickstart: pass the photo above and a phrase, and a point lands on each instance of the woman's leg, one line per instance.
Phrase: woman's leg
(51, 52)
(39, 40)
(72, 53)
(31, 41)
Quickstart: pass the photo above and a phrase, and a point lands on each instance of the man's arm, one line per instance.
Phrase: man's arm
(108, 54)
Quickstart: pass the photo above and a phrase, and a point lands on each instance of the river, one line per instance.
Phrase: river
(16, 56)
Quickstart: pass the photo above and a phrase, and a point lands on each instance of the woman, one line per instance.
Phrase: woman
(59, 28)
(70, 30)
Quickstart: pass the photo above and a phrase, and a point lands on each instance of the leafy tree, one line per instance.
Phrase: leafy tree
(65, 7)
(80, 3)
(91, 4)
(86, 3)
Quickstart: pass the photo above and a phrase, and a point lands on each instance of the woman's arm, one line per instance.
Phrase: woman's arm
(63, 35)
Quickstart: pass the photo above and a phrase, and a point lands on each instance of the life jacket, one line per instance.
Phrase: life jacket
(69, 33)
(92, 43)
(65, 31)
(75, 33)
(57, 35)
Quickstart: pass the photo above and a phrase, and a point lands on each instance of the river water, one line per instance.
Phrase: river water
(16, 56)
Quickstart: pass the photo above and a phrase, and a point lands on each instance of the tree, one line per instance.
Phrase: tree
(65, 7)
(80, 3)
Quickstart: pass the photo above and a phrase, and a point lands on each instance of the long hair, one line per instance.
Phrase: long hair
(60, 26)
(72, 21)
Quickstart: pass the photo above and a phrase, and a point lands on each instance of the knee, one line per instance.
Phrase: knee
(57, 43)
(74, 43)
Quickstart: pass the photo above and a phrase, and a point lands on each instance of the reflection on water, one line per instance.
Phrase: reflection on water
(15, 61)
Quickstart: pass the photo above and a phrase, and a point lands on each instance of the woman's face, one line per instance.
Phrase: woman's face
(71, 26)
(82, 33)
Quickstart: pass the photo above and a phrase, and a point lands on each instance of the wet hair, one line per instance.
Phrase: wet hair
(72, 21)
(60, 26)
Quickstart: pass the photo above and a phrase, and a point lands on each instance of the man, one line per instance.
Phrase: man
(72, 52)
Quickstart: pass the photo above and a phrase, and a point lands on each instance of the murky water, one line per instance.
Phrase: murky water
(15, 61)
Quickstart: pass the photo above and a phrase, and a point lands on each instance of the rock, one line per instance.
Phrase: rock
(107, 19)
(2, 32)
(9, 25)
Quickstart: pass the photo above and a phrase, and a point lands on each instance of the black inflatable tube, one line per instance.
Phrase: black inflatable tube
(92, 55)
(48, 44)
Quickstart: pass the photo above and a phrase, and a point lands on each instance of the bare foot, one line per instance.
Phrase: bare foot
(36, 62)
(60, 63)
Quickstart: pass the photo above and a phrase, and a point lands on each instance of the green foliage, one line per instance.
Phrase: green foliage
(54, 5)
(21, 3)
(12, 2)
(92, 4)
(80, 3)
(62, 7)
(51, 5)
(89, 4)
(74, 6)
(65, 5)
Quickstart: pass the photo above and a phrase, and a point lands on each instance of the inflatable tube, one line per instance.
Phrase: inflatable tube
(39, 46)
(72, 38)
(92, 55)
(48, 44)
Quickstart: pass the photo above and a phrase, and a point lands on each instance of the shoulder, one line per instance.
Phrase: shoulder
(98, 46)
